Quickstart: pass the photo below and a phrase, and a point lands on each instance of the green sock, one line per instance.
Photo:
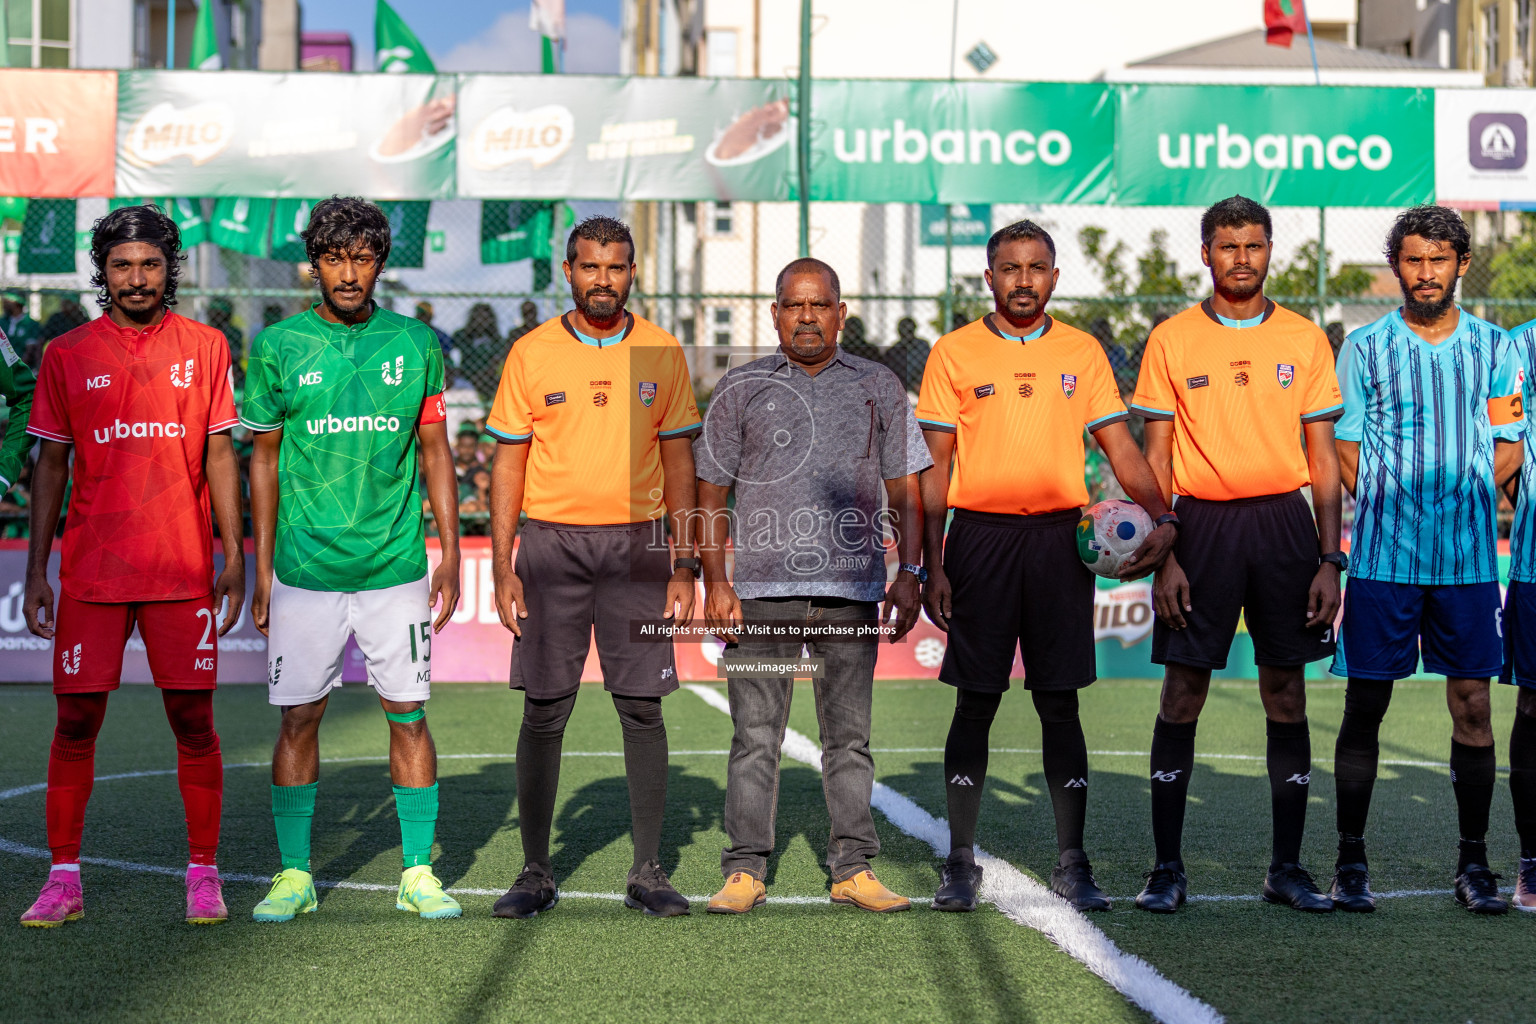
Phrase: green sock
(293, 808)
(417, 811)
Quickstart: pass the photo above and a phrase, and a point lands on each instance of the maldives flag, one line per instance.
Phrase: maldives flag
(1282, 20)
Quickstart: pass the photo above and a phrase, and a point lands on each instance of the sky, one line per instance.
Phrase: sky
(479, 35)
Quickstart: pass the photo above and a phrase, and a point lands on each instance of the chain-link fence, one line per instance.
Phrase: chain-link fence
(707, 274)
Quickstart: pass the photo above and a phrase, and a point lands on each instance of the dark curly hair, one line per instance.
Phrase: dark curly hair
(603, 231)
(147, 223)
(346, 224)
(1434, 223)
(1235, 212)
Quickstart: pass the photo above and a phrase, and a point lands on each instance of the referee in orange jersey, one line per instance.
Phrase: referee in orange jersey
(1228, 388)
(1007, 399)
(596, 415)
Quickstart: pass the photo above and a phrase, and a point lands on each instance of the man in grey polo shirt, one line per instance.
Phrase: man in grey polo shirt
(823, 452)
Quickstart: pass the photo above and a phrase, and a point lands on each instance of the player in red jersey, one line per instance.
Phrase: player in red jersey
(144, 397)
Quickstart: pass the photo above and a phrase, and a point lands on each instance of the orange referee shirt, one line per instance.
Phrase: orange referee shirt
(1237, 397)
(1017, 410)
(595, 416)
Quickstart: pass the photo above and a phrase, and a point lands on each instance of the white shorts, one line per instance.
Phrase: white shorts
(309, 634)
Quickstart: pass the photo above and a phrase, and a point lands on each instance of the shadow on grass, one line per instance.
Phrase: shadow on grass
(597, 814)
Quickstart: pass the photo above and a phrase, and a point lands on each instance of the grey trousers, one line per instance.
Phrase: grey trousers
(760, 713)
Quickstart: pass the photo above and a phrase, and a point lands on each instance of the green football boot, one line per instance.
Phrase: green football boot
(293, 892)
(421, 893)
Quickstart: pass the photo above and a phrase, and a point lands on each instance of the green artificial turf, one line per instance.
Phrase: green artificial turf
(131, 959)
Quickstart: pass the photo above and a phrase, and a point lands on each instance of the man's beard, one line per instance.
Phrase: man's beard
(815, 341)
(1432, 309)
(600, 304)
(1241, 290)
(347, 303)
(1030, 311)
(145, 313)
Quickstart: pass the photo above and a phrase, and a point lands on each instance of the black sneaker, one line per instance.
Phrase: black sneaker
(1351, 889)
(1292, 885)
(960, 880)
(649, 890)
(1477, 889)
(1525, 885)
(531, 894)
(1072, 880)
(1166, 889)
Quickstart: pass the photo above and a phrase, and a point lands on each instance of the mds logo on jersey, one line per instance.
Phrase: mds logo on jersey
(103, 381)
(182, 378)
(312, 377)
(1285, 373)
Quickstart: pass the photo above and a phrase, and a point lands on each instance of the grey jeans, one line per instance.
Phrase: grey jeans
(760, 713)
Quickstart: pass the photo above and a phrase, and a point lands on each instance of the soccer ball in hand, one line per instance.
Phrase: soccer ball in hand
(1109, 533)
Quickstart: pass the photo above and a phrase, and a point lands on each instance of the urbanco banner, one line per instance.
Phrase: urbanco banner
(56, 132)
(1191, 145)
(965, 142)
(589, 137)
(251, 133)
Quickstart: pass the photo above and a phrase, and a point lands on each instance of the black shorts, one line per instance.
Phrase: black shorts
(577, 578)
(1254, 557)
(1018, 583)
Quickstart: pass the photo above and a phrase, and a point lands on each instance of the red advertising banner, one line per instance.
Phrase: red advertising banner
(58, 133)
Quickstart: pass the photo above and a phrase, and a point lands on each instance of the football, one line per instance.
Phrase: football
(1109, 533)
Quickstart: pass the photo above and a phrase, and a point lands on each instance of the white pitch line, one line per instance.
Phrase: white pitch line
(1022, 899)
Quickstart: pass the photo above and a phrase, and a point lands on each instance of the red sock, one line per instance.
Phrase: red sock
(71, 768)
(199, 769)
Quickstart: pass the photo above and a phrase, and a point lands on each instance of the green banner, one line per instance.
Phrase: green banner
(958, 223)
(407, 232)
(512, 230)
(285, 135)
(1190, 145)
(577, 137)
(187, 213)
(242, 225)
(47, 243)
(968, 142)
(289, 219)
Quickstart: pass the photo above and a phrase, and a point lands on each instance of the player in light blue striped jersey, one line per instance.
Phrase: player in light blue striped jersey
(1432, 428)
(1520, 631)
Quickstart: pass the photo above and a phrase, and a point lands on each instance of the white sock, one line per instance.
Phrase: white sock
(74, 868)
(209, 867)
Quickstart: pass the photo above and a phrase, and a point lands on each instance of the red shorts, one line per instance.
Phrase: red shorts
(180, 637)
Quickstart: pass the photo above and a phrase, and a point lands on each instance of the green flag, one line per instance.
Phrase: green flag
(47, 243)
(241, 224)
(513, 229)
(205, 41)
(187, 213)
(289, 219)
(398, 49)
(407, 232)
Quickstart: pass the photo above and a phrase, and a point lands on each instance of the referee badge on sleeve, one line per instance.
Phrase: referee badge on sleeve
(647, 393)
(1285, 373)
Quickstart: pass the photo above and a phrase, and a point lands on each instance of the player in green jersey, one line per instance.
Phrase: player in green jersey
(342, 398)
(16, 386)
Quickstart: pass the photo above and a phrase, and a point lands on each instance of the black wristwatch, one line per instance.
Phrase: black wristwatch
(915, 570)
(1338, 558)
(693, 565)
(1166, 518)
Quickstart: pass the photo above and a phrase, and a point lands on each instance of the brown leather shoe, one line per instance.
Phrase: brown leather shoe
(741, 893)
(864, 891)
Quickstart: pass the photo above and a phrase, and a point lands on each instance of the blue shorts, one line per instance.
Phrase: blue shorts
(1520, 634)
(1385, 625)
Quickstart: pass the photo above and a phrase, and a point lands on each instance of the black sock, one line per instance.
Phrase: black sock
(1472, 770)
(1065, 753)
(538, 774)
(645, 768)
(1354, 762)
(1173, 758)
(1522, 780)
(1289, 756)
(965, 763)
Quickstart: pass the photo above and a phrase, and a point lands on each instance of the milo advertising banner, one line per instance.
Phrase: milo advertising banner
(1190, 145)
(962, 142)
(575, 137)
(285, 135)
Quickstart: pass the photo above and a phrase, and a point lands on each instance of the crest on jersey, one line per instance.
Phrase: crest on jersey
(1285, 373)
(1069, 384)
(399, 375)
(71, 660)
(647, 393)
(182, 378)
